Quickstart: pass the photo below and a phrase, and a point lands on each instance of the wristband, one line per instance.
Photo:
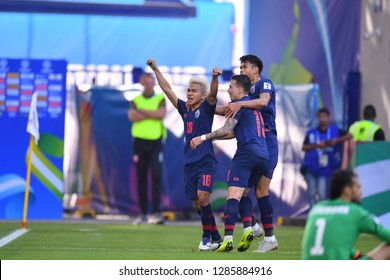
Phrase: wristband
(203, 137)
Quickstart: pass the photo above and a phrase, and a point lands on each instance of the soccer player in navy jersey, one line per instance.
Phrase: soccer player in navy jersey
(262, 96)
(249, 162)
(200, 165)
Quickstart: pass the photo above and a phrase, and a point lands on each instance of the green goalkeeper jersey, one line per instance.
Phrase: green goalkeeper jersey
(332, 228)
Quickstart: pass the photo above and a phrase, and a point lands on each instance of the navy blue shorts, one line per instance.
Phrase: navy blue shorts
(199, 176)
(246, 169)
(273, 150)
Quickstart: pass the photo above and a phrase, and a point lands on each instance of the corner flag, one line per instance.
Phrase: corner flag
(33, 129)
(33, 125)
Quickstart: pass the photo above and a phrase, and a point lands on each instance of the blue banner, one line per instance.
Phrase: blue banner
(308, 48)
(19, 79)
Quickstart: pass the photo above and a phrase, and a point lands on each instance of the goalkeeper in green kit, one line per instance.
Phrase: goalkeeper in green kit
(334, 225)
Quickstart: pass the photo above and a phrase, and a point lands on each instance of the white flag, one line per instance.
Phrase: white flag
(33, 125)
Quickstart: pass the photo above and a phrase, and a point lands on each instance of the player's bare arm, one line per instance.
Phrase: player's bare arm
(212, 96)
(227, 129)
(220, 110)
(224, 131)
(233, 108)
(163, 83)
(226, 137)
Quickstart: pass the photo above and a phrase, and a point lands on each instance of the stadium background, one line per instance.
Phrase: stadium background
(320, 52)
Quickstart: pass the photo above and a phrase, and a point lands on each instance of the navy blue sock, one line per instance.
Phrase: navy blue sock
(266, 211)
(230, 215)
(253, 219)
(215, 236)
(246, 211)
(206, 221)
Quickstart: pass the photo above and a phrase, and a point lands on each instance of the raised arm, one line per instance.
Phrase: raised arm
(212, 96)
(261, 102)
(165, 86)
(220, 110)
(225, 131)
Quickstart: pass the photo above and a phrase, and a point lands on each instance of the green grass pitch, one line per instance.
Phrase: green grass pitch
(89, 240)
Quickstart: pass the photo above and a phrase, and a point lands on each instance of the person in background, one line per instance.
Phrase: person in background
(200, 165)
(367, 130)
(147, 112)
(334, 225)
(323, 155)
(363, 131)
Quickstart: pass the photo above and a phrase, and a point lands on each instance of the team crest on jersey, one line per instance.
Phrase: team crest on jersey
(197, 114)
(252, 89)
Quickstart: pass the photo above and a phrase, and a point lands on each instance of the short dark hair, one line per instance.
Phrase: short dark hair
(339, 181)
(254, 60)
(243, 81)
(323, 110)
(369, 112)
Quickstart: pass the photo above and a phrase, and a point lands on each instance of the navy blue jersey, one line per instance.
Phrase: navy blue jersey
(197, 123)
(250, 131)
(269, 112)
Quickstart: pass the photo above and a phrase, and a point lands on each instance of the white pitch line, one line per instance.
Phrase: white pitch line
(10, 237)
